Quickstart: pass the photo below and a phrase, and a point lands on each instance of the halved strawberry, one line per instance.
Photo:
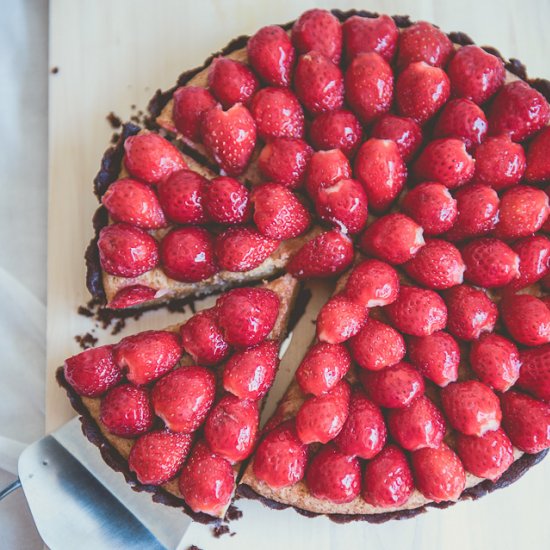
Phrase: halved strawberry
(336, 130)
(340, 319)
(231, 81)
(527, 319)
(538, 163)
(190, 104)
(372, 283)
(226, 200)
(370, 34)
(406, 133)
(424, 42)
(131, 296)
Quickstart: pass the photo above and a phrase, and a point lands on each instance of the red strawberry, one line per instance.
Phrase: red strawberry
(319, 83)
(437, 265)
(147, 355)
(126, 411)
(277, 113)
(424, 42)
(438, 473)
(131, 296)
(526, 421)
(150, 158)
(387, 479)
(436, 357)
(519, 111)
(325, 169)
(243, 248)
(538, 163)
(318, 30)
(333, 476)
(92, 372)
(372, 283)
(527, 319)
(475, 74)
(133, 202)
(231, 428)
(336, 130)
(327, 254)
(421, 90)
(226, 200)
(321, 417)
(281, 458)
(534, 260)
(470, 312)
(406, 133)
(417, 426)
(190, 104)
(496, 361)
(231, 81)
(534, 376)
(271, 55)
(488, 456)
(323, 366)
(126, 251)
(369, 86)
(202, 338)
(187, 254)
(247, 315)
(370, 34)
(394, 238)
(157, 457)
(277, 212)
(381, 170)
(340, 319)
(249, 373)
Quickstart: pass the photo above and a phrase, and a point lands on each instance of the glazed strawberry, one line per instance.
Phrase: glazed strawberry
(534, 376)
(519, 111)
(126, 411)
(325, 255)
(190, 104)
(133, 202)
(424, 42)
(526, 421)
(318, 30)
(446, 161)
(323, 366)
(343, 204)
(181, 196)
(364, 433)
(187, 254)
(249, 373)
(394, 238)
(207, 481)
(369, 86)
(319, 83)
(333, 476)
(387, 479)
(406, 133)
(421, 90)
(372, 283)
(131, 296)
(92, 372)
(370, 34)
(247, 315)
(126, 251)
(500, 162)
(488, 456)
(284, 160)
(147, 355)
(243, 248)
(157, 457)
(523, 210)
(321, 417)
(336, 130)
(281, 458)
(438, 473)
(277, 113)
(538, 163)
(202, 338)
(495, 361)
(417, 426)
(278, 213)
(340, 319)
(417, 311)
(475, 74)
(226, 200)
(436, 357)
(527, 319)
(381, 170)
(437, 265)
(231, 81)
(325, 169)
(271, 55)
(534, 260)
(231, 428)
(150, 158)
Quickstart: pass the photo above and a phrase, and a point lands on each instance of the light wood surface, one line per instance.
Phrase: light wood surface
(112, 55)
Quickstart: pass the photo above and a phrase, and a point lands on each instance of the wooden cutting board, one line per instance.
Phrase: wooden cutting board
(112, 55)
